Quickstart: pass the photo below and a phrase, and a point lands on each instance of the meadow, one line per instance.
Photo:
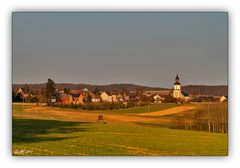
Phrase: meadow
(52, 131)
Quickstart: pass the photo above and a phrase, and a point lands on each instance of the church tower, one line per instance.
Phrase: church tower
(177, 88)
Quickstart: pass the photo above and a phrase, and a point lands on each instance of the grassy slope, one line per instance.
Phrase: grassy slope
(144, 109)
(52, 137)
(133, 110)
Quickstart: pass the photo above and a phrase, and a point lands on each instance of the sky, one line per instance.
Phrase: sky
(106, 48)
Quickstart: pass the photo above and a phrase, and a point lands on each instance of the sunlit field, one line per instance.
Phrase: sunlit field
(42, 130)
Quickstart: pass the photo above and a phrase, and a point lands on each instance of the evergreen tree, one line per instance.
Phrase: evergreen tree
(50, 88)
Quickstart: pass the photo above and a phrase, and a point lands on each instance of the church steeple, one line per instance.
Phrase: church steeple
(177, 88)
(177, 80)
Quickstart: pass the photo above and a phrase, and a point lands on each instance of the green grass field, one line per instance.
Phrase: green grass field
(42, 136)
(144, 109)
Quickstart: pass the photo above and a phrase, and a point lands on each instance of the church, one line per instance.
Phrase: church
(177, 93)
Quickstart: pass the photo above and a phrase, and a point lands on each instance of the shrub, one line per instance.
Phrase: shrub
(170, 99)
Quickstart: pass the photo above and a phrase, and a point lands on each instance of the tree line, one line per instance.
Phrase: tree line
(35, 96)
(212, 117)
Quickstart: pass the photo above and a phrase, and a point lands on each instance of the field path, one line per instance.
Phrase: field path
(170, 111)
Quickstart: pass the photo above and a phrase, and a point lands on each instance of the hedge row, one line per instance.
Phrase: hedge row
(97, 106)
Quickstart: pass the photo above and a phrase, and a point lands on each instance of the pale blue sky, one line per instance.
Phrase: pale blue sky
(103, 48)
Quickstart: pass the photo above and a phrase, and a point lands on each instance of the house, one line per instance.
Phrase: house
(53, 99)
(108, 97)
(64, 99)
(120, 97)
(186, 97)
(104, 96)
(77, 98)
(223, 99)
(158, 99)
(24, 96)
(114, 98)
(76, 92)
(59, 91)
(20, 91)
(95, 98)
(54, 96)
(85, 90)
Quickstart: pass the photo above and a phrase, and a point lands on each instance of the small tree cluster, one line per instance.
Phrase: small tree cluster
(211, 118)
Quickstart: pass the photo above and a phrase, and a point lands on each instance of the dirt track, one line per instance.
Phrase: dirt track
(170, 111)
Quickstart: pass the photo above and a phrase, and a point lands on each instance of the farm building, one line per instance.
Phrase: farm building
(65, 99)
(77, 98)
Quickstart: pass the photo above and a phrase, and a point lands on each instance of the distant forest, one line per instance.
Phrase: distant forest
(190, 89)
(206, 90)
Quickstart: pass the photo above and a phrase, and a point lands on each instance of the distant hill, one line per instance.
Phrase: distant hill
(191, 89)
(206, 90)
(110, 87)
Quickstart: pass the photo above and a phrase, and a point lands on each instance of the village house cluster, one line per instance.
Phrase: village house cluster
(150, 96)
(174, 95)
(85, 95)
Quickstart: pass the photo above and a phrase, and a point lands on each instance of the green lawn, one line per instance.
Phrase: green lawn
(37, 136)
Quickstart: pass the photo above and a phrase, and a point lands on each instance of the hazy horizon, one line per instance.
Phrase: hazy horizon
(114, 84)
(129, 48)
